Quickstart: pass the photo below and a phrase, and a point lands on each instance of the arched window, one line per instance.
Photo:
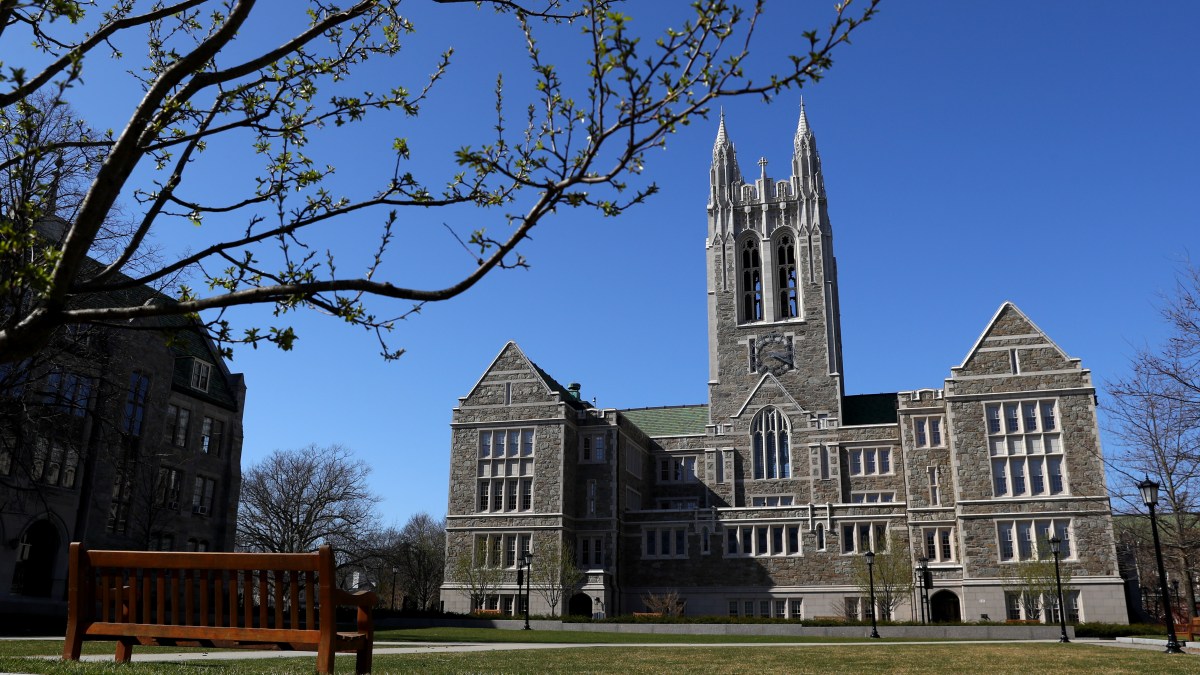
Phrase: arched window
(772, 450)
(785, 272)
(820, 536)
(752, 305)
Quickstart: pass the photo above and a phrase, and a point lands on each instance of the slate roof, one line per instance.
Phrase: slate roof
(557, 387)
(181, 334)
(678, 420)
(869, 409)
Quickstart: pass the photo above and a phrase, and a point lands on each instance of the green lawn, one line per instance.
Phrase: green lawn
(576, 637)
(877, 656)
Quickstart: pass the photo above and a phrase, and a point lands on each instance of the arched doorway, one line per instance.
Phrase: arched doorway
(36, 555)
(944, 607)
(580, 605)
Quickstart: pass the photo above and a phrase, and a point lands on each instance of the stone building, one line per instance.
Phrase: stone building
(120, 439)
(763, 501)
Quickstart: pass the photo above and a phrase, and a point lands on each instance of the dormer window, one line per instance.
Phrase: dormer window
(201, 374)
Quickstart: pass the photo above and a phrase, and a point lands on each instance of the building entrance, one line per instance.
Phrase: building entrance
(36, 555)
(944, 607)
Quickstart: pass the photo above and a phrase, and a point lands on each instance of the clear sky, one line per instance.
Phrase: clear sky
(974, 152)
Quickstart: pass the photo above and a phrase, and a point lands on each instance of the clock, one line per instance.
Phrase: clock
(775, 354)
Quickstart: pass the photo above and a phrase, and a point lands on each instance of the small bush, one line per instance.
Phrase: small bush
(1115, 630)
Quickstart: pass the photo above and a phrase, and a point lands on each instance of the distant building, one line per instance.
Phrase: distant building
(762, 501)
(121, 439)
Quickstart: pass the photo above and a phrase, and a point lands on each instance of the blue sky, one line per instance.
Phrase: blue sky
(1044, 153)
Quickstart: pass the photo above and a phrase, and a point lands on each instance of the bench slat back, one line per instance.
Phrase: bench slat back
(216, 590)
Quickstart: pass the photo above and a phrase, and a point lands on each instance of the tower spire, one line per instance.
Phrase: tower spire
(802, 130)
(722, 141)
(725, 170)
(806, 161)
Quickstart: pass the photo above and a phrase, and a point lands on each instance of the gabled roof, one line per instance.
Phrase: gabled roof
(766, 379)
(551, 385)
(1009, 312)
(680, 420)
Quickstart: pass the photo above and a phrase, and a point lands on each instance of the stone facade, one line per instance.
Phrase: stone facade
(764, 500)
(119, 439)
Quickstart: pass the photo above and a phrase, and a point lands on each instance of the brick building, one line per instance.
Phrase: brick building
(762, 501)
(121, 439)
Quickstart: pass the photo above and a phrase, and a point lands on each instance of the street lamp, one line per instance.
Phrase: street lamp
(870, 556)
(394, 571)
(923, 570)
(1056, 548)
(1149, 490)
(527, 562)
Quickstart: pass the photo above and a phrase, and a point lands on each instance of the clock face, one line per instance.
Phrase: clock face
(775, 354)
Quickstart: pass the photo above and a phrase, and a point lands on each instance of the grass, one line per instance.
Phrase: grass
(581, 637)
(879, 656)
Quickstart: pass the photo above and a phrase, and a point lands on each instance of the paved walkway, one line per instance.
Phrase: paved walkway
(386, 647)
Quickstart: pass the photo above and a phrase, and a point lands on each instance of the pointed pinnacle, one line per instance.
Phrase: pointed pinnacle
(802, 129)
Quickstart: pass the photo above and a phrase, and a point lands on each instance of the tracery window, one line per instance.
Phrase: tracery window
(752, 305)
(785, 266)
(771, 448)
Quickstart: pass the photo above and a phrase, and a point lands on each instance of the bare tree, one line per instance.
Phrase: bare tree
(1154, 415)
(1179, 358)
(1035, 583)
(581, 140)
(553, 574)
(668, 603)
(480, 579)
(295, 500)
(421, 558)
(893, 581)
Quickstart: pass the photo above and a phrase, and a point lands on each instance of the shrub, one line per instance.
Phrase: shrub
(1114, 630)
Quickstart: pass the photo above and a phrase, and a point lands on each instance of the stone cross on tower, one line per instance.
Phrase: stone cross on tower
(762, 167)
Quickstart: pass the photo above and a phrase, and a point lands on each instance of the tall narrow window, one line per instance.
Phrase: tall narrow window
(772, 449)
(785, 265)
(212, 432)
(752, 306)
(135, 404)
(176, 430)
(935, 497)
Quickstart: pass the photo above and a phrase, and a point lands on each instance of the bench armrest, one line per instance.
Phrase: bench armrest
(364, 600)
(355, 598)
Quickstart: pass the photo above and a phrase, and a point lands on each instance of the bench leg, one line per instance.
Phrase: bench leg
(73, 644)
(124, 650)
(362, 660)
(325, 656)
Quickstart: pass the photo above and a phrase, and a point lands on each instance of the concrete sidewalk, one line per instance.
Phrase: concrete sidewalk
(385, 648)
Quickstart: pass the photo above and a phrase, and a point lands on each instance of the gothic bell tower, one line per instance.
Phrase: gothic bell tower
(772, 283)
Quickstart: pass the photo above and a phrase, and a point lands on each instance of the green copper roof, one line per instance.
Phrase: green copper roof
(680, 420)
(869, 409)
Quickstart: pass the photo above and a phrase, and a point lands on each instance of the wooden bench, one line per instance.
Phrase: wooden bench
(1190, 630)
(251, 600)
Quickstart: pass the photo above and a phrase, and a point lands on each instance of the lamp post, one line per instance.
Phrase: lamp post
(870, 556)
(527, 561)
(1056, 548)
(923, 570)
(1149, 490)
(394, 571)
